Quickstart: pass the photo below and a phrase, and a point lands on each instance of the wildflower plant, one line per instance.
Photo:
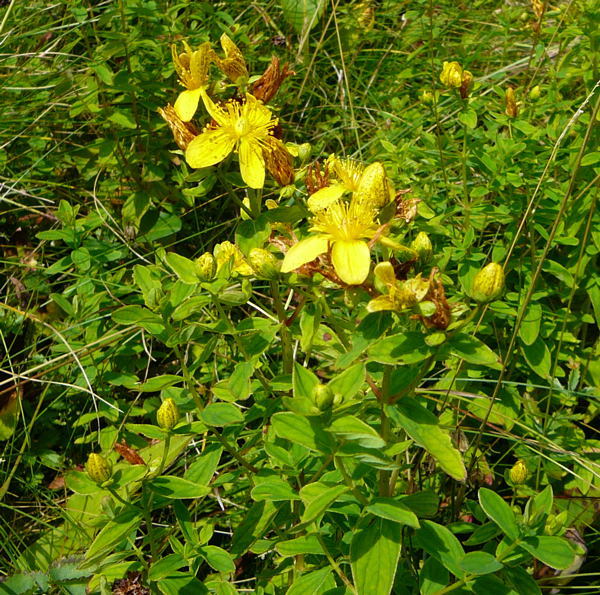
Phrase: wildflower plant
(302, 400)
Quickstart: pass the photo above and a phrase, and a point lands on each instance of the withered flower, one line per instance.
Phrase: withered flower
(268, 84)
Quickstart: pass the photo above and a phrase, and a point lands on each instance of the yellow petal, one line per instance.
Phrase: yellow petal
(384, 271)
(351, 260)
(383, 302)
(252, 163)
(216, 113)
(304, 251)
(187, 104)
(325, 196)
(209, 148)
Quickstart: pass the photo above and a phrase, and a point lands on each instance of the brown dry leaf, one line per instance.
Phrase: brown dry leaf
(128, 453)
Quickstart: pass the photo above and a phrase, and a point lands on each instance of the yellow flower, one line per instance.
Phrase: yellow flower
(233, 65)
(401, 294)
(244, 128)
(452, 74)
(342, 227)
(192, 69)
(227, 253)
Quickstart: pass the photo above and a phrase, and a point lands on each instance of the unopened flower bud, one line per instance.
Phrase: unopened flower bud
(451, 74)
(323, 397)
(264, 263)
(422, 246)
(206, 266)
(167, 415)
(535, 93)
(518, 472)
(374, 186)
(427, 97)
(511, 103)
(98, 468)
(287, 191)
(304, 151)
(488, 283)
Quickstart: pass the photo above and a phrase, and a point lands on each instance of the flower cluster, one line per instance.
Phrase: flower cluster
(241, 126)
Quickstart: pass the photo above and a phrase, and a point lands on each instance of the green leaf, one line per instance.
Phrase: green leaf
(423, 504)
(423, 427)
(439, 542)
(473, 350)
(538, 357)
(313, 583)
(183, 267)
(468, 117)
(393, 510)
(349, 382)
(177, 488)
(374, 555)
(124, 119)
(480, 563)
(204, 467)
(181, 583)
(304, 382)
(301, 430)
(253, 527)
(352, 428)
(217, 558)
(433, 577)
(158, 383)
(555, 552)
(273, 489)
(302, 15)
(530, 325)
(318, 498)
(221, 414)
(404, 348)
(307, 544)
(140, 316)
(500, 512)
(115, 531)
(8, 418)
(166, 566)
(81, 259)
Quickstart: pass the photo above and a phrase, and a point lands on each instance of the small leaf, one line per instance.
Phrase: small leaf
(316, 505)
(393, 510)
(480, 563)
(555, 552)
(313, 583)
(307, 544)
(423, 427)
(218, 558)
(304, 381)
(473, 350)
(113, 532)
(439, 542)
(301, 430)
(500, 512)
(530, 325)
(221, 414)
(274, 489)
(403, 348)
(352, 428)
(183, 267)
(177, 488)
(158, 383)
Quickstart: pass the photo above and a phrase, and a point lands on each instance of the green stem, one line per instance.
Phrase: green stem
(189, 380)
(384, 474)
(334, 564)
(286, 337)
(463, 158)
(233, 452)
(339, 463)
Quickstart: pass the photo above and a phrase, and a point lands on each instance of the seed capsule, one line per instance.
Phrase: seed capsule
(422, 246)
(264, 263)
(167, 415)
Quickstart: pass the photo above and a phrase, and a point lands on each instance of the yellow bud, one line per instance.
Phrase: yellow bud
(535, 93)
(488, 283)
(422, 246)
(374, 188)
(512, 109)
(264, 263)
(323, 397)
(518, 472)
(427, 97)
(451, 75)
(98, 468)
(206, 266)
(167, 415)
